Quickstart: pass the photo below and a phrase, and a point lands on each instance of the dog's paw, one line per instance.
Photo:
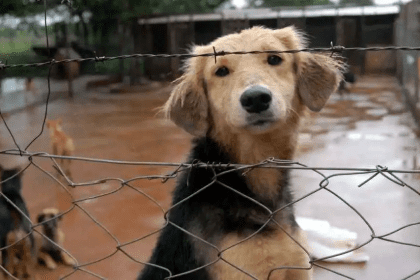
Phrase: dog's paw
(51, 265)
(68, 260)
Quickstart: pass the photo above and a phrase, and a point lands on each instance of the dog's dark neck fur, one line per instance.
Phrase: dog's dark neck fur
(214, 211)
(239, 213)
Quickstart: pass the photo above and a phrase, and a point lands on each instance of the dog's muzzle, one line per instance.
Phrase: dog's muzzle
(256, 99)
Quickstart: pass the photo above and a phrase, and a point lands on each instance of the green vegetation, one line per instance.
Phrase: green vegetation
(101, 25)
(15, 48)
(279, 3)
(284, 3)
(358, 2)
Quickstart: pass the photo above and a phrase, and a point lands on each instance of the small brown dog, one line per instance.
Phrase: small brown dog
(49, 254)
(62, 144)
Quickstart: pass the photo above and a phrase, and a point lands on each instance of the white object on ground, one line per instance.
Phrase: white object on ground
(325, 240)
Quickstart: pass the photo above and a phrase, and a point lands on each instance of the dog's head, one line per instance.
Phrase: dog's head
(251, 92)
(50, 217)
(12, 185)
(54, 124)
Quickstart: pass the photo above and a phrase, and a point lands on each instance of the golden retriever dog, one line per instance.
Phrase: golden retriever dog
(241, 109)
(62, 144)
(48, 253)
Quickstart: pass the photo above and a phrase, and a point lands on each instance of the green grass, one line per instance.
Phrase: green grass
(16, 49)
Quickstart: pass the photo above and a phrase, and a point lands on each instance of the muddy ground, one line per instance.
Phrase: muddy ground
(365, 128)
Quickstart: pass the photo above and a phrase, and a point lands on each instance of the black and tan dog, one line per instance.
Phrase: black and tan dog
(13, 225)
(20, 261)
(48, 253)
(242, 109)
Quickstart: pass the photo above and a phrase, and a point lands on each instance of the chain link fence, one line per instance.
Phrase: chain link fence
(65, 183)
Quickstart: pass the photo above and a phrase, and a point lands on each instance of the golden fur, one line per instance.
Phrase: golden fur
(20, 263)
(248, 256)
(61, 143)
(206, 104)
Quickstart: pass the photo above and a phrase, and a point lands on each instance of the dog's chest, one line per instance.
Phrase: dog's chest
(264, 181)
(260, 256)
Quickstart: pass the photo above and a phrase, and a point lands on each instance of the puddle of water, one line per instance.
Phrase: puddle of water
(373, 137)
(367, 103)
(398, 107)
(10, 85)
(377, 112)
(357, 97)
(354, 136)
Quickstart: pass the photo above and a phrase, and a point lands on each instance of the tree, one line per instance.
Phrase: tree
(357, 2)
(106, 15)
(279, 3)
(20, 8)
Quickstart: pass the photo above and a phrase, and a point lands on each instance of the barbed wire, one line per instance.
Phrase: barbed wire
(333, 49)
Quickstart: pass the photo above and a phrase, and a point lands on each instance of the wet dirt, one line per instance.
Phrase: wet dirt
(367, 127)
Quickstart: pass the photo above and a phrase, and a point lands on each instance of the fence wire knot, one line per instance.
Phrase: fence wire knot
(336, 49)
(215, 55)
(98, 59)
(381, 168)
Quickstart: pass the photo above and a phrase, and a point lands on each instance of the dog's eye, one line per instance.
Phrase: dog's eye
(222, 71)
(274, 60)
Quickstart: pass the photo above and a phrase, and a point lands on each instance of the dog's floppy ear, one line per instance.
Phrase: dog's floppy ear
(291, 38)
(318, 76)
(187, 106)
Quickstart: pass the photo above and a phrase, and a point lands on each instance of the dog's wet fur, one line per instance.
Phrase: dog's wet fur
(241, 109)
(14, 226)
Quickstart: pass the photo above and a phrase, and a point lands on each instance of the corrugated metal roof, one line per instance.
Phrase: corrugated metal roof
(267, 13)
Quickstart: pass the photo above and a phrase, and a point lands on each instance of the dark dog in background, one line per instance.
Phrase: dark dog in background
(20, 262)
(348, 78)
(49, 254)
(13, 223)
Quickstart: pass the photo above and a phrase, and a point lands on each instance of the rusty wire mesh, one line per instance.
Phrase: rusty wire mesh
(218, 169)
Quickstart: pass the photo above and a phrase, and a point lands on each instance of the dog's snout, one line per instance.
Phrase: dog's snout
(256, 99)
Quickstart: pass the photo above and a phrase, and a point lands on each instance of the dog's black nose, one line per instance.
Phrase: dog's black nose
(256, 99)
